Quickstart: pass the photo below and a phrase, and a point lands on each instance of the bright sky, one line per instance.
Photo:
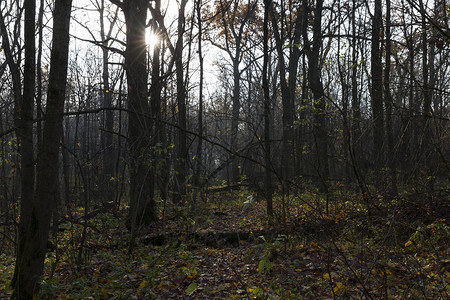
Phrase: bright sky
(87, 24)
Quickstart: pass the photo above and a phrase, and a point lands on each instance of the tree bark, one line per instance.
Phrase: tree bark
(199, 152)
(287, 89)
(356, 102)
(389, 102)
(180, 165)
(377, 86)
(267, 107)
(316, 84)
(24, 122)
(30, 267)
(108, 116)
(142, 202)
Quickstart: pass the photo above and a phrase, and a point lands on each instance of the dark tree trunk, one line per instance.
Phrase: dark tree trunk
(389, 102)
(142, 202)
(26, 124)
(39, 75)
(267, 107)
(287, 93)
(30, 267)
(159, 165)
(356, 106)
(377, 86)
(236, 107)
(199, 152)
(315, 82)
(180, 165)
(108, 117)
(24, 104)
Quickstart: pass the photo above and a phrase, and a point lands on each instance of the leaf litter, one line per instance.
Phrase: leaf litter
(220, 251)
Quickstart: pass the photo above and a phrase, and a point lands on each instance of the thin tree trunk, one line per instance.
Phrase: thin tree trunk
(267, 106)
(315, 82)
(287, 104)
(389, 102)
(199, 152)
(108, 118)
(356, 107)
(180, 165)
(377, 87)
(39, 75)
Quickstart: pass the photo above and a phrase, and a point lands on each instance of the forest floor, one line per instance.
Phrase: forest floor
(225, 249)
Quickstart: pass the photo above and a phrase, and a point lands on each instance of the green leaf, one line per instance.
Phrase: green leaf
(258, 292)
(264, 265)
(250, 202)
(191, 288)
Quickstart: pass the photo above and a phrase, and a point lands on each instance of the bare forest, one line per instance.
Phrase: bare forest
(224, 149)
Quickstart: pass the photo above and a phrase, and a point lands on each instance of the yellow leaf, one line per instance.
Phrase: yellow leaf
(143, 284)
(339, 288)
(408, 243)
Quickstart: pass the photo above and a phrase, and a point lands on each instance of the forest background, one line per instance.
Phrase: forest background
(302, 146)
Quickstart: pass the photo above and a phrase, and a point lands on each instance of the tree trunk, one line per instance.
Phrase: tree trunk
(315, 82)
(142, 202)
(267, 107)
(377, 87)
(180, 166)
(108, 117)
(356, 106)
(24, 122)
(389, 102)
(29, 269)
(236, 107)
(39, 75)
(199, 152)
(287, 96)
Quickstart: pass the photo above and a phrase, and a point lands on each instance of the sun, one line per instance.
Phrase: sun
(151, 40)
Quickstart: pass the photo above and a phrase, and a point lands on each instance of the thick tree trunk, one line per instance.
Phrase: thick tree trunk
(142, 202)
(24, 131)
(26, 124)
(29, 269)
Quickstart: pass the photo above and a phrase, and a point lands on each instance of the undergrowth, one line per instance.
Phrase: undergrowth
(335, 247)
